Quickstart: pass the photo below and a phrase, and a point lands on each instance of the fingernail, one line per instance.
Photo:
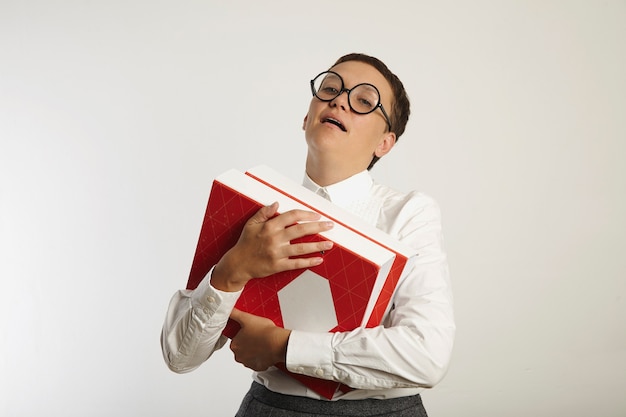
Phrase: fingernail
(327, 245)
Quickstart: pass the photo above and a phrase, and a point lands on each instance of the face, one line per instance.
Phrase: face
(338, 137)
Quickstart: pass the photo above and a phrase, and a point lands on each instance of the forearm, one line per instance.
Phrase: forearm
(193, 326)
(395, 357)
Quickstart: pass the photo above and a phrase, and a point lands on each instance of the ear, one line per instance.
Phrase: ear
(304, 122)
(385, 145)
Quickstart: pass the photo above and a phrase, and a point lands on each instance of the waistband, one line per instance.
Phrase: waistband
(361, 408)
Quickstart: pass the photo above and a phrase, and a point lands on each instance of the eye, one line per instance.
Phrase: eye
(327, 86)
(365, 103)
(329, 89)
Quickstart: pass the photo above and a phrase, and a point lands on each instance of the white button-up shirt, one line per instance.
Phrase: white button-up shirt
(408, 353)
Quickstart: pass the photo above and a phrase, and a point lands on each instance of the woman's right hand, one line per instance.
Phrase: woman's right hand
(264, 247)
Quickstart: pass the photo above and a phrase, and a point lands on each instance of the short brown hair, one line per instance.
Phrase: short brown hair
(400, 105)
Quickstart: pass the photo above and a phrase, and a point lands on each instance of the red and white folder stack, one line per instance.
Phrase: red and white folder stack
(351, 288)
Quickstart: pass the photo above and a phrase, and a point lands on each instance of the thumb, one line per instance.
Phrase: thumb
(265, 213)
(238, 315)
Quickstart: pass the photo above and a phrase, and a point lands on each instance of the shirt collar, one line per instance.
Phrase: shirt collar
(344, 192)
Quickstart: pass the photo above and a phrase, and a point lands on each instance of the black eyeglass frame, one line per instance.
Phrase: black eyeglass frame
(349, 90)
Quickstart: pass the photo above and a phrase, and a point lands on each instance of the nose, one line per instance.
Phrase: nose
(341, 100)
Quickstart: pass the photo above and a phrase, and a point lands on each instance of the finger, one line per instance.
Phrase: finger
(264, 213)
(238, 315)
(306, 229)
(306, 248)
(302, 263)
(291, 217)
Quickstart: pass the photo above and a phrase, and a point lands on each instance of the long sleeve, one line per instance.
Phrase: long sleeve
(412, 348)
(193, 325)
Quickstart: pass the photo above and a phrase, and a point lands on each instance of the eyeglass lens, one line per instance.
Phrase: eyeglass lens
(363, 98)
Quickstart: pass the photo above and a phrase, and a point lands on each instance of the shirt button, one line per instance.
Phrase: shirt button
(300, 369)
(319, 372)
(206, 310)
(211, 299)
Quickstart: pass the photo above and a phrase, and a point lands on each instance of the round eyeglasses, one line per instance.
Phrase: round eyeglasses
(362, 98)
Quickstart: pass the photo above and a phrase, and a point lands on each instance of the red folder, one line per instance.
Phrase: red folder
(356, 279)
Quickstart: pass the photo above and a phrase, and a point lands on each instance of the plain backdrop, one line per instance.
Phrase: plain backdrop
(115, 116)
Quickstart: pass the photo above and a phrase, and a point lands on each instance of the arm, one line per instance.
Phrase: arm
(193, 326)
(413, 347)
(196, 318)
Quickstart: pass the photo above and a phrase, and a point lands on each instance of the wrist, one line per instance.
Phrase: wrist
(280, 342)
(227, 278)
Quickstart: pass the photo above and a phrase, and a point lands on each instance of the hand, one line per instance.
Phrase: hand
(259, 343)
(264, 247)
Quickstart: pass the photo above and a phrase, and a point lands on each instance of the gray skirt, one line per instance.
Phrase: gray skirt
(261, 402)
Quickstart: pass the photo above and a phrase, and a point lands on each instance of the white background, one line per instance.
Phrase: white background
(116, 115)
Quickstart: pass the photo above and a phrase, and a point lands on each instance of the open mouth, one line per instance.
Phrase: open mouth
(334, 122)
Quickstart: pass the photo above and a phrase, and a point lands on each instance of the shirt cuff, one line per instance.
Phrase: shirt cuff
(310, 354)
(212, 304)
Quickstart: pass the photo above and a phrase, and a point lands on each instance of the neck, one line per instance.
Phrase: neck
(327, 173)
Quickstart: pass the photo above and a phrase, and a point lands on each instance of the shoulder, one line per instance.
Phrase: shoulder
(404, 213)
(400, 201)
